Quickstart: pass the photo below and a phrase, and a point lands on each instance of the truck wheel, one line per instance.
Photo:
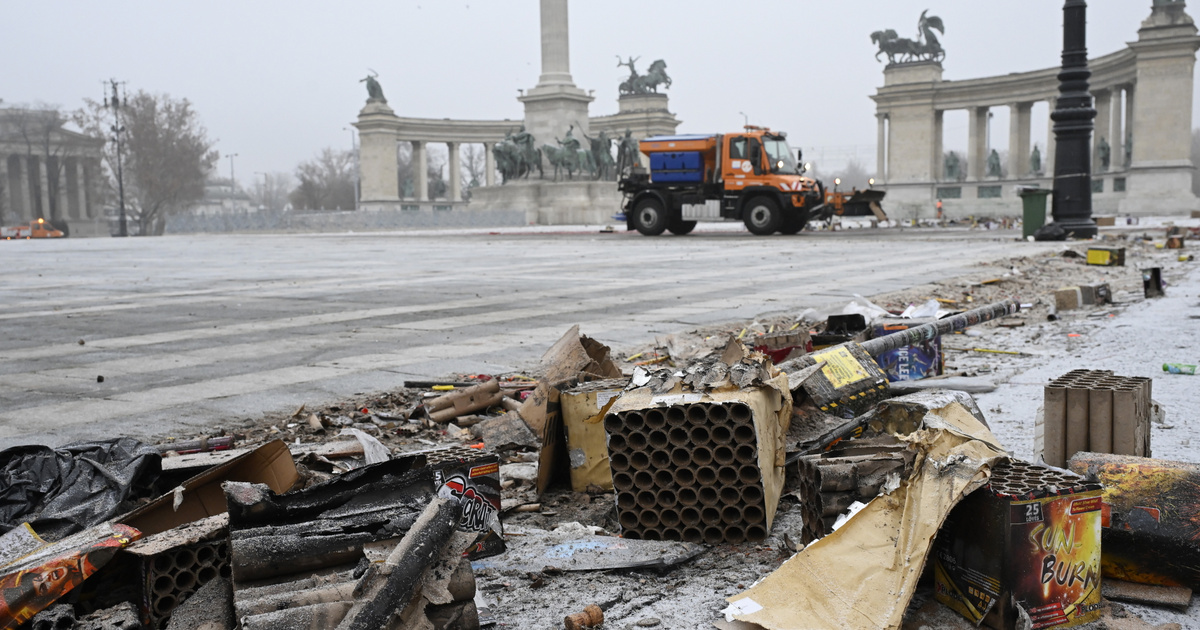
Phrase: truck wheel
(681, 227)
(762, 216)
(649, 218)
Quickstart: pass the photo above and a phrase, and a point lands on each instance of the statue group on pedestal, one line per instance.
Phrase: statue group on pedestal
(902, 50)
(516, 157)
(644, 83)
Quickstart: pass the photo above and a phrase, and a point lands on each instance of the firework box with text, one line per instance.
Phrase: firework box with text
(910, 363)
(471, 477)
(1029, 539)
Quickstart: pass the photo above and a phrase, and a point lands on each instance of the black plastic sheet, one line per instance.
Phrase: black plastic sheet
(68, 489)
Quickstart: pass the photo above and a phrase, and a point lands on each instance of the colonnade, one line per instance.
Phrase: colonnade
(55, 188)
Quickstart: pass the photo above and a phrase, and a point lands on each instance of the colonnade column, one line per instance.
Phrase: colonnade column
(881, 149)
(455, 172)
(421, 166)
(1018, 139)
(1116, 131)
(81, 189)
(44, 180)
(1130, 93)
(977, 143)
(6, 204)
(26, 192)
(935, 166)
(1048, 164)
(489, 164)
(1103, 99)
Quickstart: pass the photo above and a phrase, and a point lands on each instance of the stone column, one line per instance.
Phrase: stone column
(81, 198)
(1116, 131)
(936, 143)
(1048, 154)
(421, 166)
(556, 54)
(1018, 139)
(44, 182)
(61, 198)
(1103, 124)
(6, 202)
(455, 172)
(881, 149)
(977, 150)
(1128, 135)
(489, 164)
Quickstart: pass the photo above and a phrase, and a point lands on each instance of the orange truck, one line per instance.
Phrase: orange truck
(34, 229)
(752, 176)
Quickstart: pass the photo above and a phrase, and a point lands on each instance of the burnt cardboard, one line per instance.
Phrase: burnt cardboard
(841, 329)
(202, 496)
(583, 409)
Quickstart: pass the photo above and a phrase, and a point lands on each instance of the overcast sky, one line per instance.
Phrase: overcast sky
(274, 81)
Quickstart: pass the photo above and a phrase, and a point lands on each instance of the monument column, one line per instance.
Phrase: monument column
(1048, 154)
(455, 172)
(6, 204)
(1018, 139)
(43, 176)
(555, 104)
(1103, 124)
(936, 144)
(977, 143)
(421, 165)
(1127, 139)
(378, 164)
(881, 149)
(489, 164)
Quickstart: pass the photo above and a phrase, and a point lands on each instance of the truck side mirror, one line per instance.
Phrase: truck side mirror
(756, 158)
(799, 156)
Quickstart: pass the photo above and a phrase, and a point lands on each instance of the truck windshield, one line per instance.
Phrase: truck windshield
(779, 151)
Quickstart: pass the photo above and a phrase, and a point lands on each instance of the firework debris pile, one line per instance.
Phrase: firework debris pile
(419, 507)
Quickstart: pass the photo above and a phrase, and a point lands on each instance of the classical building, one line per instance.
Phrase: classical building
(48, 172)
(551, 107)
(1143, 100)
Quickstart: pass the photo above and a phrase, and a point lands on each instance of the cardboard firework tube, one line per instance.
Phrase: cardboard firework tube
(655, 419)
(731, 514)
(689, 516)
(660, 459)
(729, 495)
(1077, 419)
(666, 498)
(613, 425)
(710, 515)
(678, 436)
(692, 534)
(464, 398)
(751, 494)
(713, 535)
(727, 475)
(723, 455)
(749, 474)
(744, 434)
(702, 456)
(834, 503)
(746, 454)
(626, 500)
(617, 442)
(591, 617)
(643, 480)
(684, 477)
(658, 439)
(634, 421)
(343, 592)
(1054, 425)
(708, 495)
(706, 475)
(645, 499)
(628, 520)
(672, 533)
(681, 456)
(687, 497)
(663, 478)
(721, 434)
(1100, 408)
(676, 416)
(735, 534)
(1125, 420)
(837, 477)
(619, 462)
(637, 440)
(648, 518)
(669, 518)
(756, 533)
(639, 460)
(622, 481)
(718, 414)
(739, 413)
(699, 435)
(753, 514)
(697, 414)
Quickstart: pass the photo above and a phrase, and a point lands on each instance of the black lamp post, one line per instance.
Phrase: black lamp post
(1072, 204)
(118, 129)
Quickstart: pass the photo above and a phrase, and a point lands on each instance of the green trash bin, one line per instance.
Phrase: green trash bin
(1034, 202)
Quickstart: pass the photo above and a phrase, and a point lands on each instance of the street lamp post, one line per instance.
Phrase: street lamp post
(1072, 201)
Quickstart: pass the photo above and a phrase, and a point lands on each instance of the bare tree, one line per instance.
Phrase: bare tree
(167, 155)
(325, 182)
(271, 190)
(854, 175)
(474, 163)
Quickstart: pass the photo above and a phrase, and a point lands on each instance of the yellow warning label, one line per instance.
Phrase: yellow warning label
(1099, 257)
(841, 368)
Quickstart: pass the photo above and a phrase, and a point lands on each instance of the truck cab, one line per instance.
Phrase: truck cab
(753, 176)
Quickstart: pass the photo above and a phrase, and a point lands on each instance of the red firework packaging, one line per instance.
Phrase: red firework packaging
(1028, 539)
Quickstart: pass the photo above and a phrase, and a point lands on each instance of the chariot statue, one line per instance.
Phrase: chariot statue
(644, 83)
(902, 50)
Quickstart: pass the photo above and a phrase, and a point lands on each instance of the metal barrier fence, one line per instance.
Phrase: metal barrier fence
(333, 221)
